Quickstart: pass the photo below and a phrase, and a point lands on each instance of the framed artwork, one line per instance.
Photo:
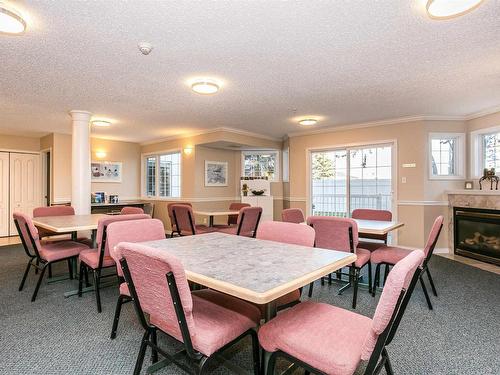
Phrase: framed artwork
(106, 171)
(215, 173)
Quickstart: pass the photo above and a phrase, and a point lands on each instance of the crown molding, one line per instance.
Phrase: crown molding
(210, 131)
(485, 112)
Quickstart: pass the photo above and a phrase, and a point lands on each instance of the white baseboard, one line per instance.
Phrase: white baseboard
(442, 250)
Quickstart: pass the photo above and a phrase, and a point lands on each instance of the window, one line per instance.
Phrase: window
(491, 150)
(343, 180)
(446, 155)
(163, 175)
(260, 164)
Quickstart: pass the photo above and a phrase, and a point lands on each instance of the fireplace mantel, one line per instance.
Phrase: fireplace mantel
(473, 192)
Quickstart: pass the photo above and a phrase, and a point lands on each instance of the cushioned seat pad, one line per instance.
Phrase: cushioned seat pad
(218, 319)
(389, 254)
(363, 257)
(53, 251)
(335, 336)
(91, 258)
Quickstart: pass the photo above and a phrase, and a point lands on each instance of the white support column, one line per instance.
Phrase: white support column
(80, 162)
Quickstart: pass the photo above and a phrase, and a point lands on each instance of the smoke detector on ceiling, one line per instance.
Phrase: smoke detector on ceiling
(145, 48)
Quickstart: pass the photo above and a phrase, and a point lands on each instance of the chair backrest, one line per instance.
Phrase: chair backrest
(293, 215)
(170, 213)
(28, 234)
(371, 214)
(53, 211)
(433, 237)
(132, 231)
(131, 210)
(248, 221)
(102, 224)
(184, 219)
(146, 270)
(236, 206)
(398, 286)
(291, 233)
(335, 233)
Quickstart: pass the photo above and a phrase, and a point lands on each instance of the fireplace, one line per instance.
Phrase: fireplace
(477, 233)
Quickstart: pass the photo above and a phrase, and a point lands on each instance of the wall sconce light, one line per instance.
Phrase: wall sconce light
(100, 154)
(188, 150)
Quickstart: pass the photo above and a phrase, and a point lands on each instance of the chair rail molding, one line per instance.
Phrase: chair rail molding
(421, 203)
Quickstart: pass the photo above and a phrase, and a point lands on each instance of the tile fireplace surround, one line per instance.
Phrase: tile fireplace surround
(489, 199)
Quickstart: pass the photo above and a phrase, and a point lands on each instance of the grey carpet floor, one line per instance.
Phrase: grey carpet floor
(57, 335)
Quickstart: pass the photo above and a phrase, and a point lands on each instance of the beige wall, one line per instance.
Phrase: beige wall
(17, 143)
(484, 122)
(416, 202)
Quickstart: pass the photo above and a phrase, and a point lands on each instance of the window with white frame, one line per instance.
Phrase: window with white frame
(260, 164)
(446, 155)
(485, 150)
(162, 175)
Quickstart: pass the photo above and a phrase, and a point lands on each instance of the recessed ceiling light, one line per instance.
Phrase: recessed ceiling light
(308, 122)
(101, 123)
(205, 87)
(445, 9)
(10, 22)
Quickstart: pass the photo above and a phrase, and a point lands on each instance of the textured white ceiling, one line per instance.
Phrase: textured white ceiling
(348, 61)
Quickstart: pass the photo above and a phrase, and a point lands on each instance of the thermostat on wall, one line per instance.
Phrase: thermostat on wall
(409, 165)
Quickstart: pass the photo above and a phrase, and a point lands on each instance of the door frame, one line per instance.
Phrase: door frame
(394, 172)
(43, 170)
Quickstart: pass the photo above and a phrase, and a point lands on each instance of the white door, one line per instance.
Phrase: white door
(4, 194)
(24, 185)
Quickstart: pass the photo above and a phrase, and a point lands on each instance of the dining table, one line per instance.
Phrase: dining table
(211, 214)
(255, 270)
(376, 226)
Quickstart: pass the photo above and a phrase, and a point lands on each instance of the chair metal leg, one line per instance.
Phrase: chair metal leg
(42, 272)
(50, 270)
(36, 268)
(431, 282)
(203, 365)
(70, 268)
(87, 284)
(311, 286)
(25, 275)
(386, 273)
(355, 284)
(376, 281)
(322, 281)
(154, 352)
(142, 352)
(330, 279)
(429, 304)
(369, 277)
(83, 270)
(96, 290)
(116, 319)
(387, 364)
(255, 353)
(272, 364)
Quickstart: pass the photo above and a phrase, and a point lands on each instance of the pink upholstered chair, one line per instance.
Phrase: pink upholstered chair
(290, 233)
(325, 339)
(129, 231)
(171, 216)
(159, 288)
(185, 222)
(131, 210)
(42, 255)
(369, 214)
(97, 259)
(233, 219)
(293, 215)
(390, 255)
(247, 223)
(342, 234)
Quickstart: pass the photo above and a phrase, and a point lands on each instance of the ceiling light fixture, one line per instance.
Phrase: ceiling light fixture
(205, 87)
(11, 23)
(308, 122)
(101, 123)
(446, 9)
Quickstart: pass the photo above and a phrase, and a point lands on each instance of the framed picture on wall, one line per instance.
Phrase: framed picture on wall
(106, 171)
(215, 173)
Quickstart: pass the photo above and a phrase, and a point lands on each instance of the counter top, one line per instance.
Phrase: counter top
(120, 203)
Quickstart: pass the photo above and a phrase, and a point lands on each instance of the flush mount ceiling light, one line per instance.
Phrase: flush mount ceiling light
(308, 122)
(446, 9)
(101, 123)
(205, 87)
(11, 23)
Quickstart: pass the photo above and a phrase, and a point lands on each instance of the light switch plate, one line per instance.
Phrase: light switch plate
(403, 180)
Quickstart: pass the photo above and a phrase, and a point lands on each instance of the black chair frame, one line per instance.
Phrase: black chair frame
(425, 269)
(254, 232)
(200, 362)
(380, 357)
(191, 224)
(354, 275)
(96, 273)
(37, 261)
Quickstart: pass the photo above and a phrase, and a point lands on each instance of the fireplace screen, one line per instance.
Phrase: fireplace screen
(477, 233)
